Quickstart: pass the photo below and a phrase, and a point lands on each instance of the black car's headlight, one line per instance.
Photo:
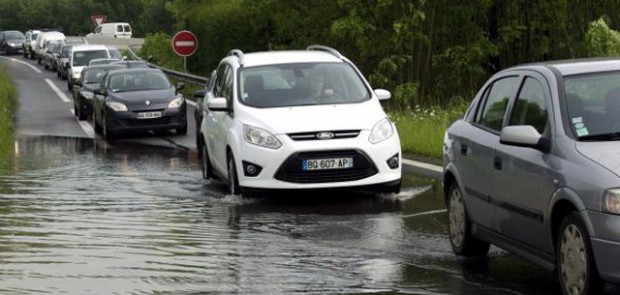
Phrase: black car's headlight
(116, 106)
(177, 102)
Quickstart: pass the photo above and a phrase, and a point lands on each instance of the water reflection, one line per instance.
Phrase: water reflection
(87, 216)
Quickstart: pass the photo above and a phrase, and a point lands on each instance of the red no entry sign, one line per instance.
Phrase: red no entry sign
(184, 43)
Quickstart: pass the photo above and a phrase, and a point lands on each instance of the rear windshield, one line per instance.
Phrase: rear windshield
(82, 58)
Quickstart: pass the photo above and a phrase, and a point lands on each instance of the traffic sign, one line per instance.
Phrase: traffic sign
(98, 19)
(184, 43)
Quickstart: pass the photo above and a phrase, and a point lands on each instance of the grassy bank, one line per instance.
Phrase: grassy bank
(421, 130)
(8, 107)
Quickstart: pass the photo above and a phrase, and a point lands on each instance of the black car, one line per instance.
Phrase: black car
(11, 42)
(85, 87)
(138, 100)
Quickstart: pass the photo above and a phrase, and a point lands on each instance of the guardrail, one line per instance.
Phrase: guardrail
(181, 76)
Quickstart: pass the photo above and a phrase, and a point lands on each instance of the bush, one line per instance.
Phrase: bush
(8, 107)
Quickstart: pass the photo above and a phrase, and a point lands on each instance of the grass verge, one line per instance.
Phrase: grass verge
(8, 107)
(421, 131)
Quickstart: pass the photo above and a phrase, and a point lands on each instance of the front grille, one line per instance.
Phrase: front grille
(292, 169)
(338, 134)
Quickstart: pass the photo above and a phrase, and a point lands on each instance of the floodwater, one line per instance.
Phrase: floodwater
(83, 216)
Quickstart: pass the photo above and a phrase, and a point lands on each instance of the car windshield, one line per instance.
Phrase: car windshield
(138, 81)
(81, 58)
(299, 84)
(593, 105)
(14, 35)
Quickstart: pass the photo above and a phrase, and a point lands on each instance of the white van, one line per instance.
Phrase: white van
(116, 30)
(40, 49)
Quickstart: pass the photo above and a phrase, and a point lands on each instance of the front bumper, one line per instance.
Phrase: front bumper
(129, 121)
(282, 168)
(13, 48)
(606, 244)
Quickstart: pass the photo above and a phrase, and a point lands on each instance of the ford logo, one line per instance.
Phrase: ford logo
(147, 102)
(325, 135)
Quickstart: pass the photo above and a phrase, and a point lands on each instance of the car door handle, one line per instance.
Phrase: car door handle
(463, 149)
(497, 163)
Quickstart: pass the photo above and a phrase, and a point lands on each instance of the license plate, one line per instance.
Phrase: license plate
(149, 115)
(325, 164)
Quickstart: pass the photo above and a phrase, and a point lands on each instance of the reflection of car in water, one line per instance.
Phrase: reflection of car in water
(532, 168)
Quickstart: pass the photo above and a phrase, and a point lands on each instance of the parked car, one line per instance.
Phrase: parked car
(114, 30)
(30, 41)
(11, 42)
(267, 126)
(85, 87)
(52, 51)
(138, 100)
(42, 40)
(532, 167)
(80, 56)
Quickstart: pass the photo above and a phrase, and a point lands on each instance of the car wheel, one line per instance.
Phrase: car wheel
(576, 269)
(80, 114)
(39, 60)
(205, 163)
(233, 182)
(181, 130)
(69, 86)
(462, 241)
(57, 73)
(24, 52)
(31, 55)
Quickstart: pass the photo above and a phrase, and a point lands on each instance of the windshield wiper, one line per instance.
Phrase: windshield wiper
(611, 136)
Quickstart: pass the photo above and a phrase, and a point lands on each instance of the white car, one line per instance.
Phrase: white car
(303, 119)
(79, 58)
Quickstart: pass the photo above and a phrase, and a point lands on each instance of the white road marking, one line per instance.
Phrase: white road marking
(423, 165)
(60, 94)
(425, 213)
(24, 63)
(85, 126)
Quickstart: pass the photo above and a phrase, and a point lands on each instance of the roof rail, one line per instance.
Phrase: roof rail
(326, 49)
(238, 53)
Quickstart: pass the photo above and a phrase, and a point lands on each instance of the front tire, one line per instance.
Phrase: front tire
(576, 267)
(462, 241)
(181, 130)
(233, 181)
(205, 163)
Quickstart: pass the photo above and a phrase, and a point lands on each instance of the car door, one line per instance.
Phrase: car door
(524, 177)
(215, 121)
(474, 143)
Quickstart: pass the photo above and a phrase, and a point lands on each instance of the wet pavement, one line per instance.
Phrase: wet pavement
(83, 216)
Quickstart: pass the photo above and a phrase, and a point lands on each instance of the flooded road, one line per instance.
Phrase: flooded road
(83, 216)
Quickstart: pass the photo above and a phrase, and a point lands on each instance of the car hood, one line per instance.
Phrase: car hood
(606, 154)
(359, 116)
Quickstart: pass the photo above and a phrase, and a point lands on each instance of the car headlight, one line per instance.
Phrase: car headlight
(260, 137)
(116, 106)
(12, 44)
(382, 131)
(87, 94)
(611, 201)
(177, 102)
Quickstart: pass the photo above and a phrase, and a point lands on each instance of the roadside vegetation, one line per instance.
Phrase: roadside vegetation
(432, 55)
(8, 107)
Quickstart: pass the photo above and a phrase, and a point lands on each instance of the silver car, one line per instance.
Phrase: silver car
(533, 167)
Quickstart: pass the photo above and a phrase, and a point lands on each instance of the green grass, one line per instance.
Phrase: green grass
(421, 130)
(8, 107)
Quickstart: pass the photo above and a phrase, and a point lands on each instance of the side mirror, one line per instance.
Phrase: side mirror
(79, 83)
(218, 104)
(180, 86)
(383, 94)
(101, 91)
(523, 136)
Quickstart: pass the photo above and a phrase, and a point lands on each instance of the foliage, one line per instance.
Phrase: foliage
(8, 106)
(601, 40)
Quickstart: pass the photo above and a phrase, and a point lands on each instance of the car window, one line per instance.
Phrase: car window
(219, 81)
(495, 103)
(82, 58)
(227, 86)
(531, 106)
(299, 84)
